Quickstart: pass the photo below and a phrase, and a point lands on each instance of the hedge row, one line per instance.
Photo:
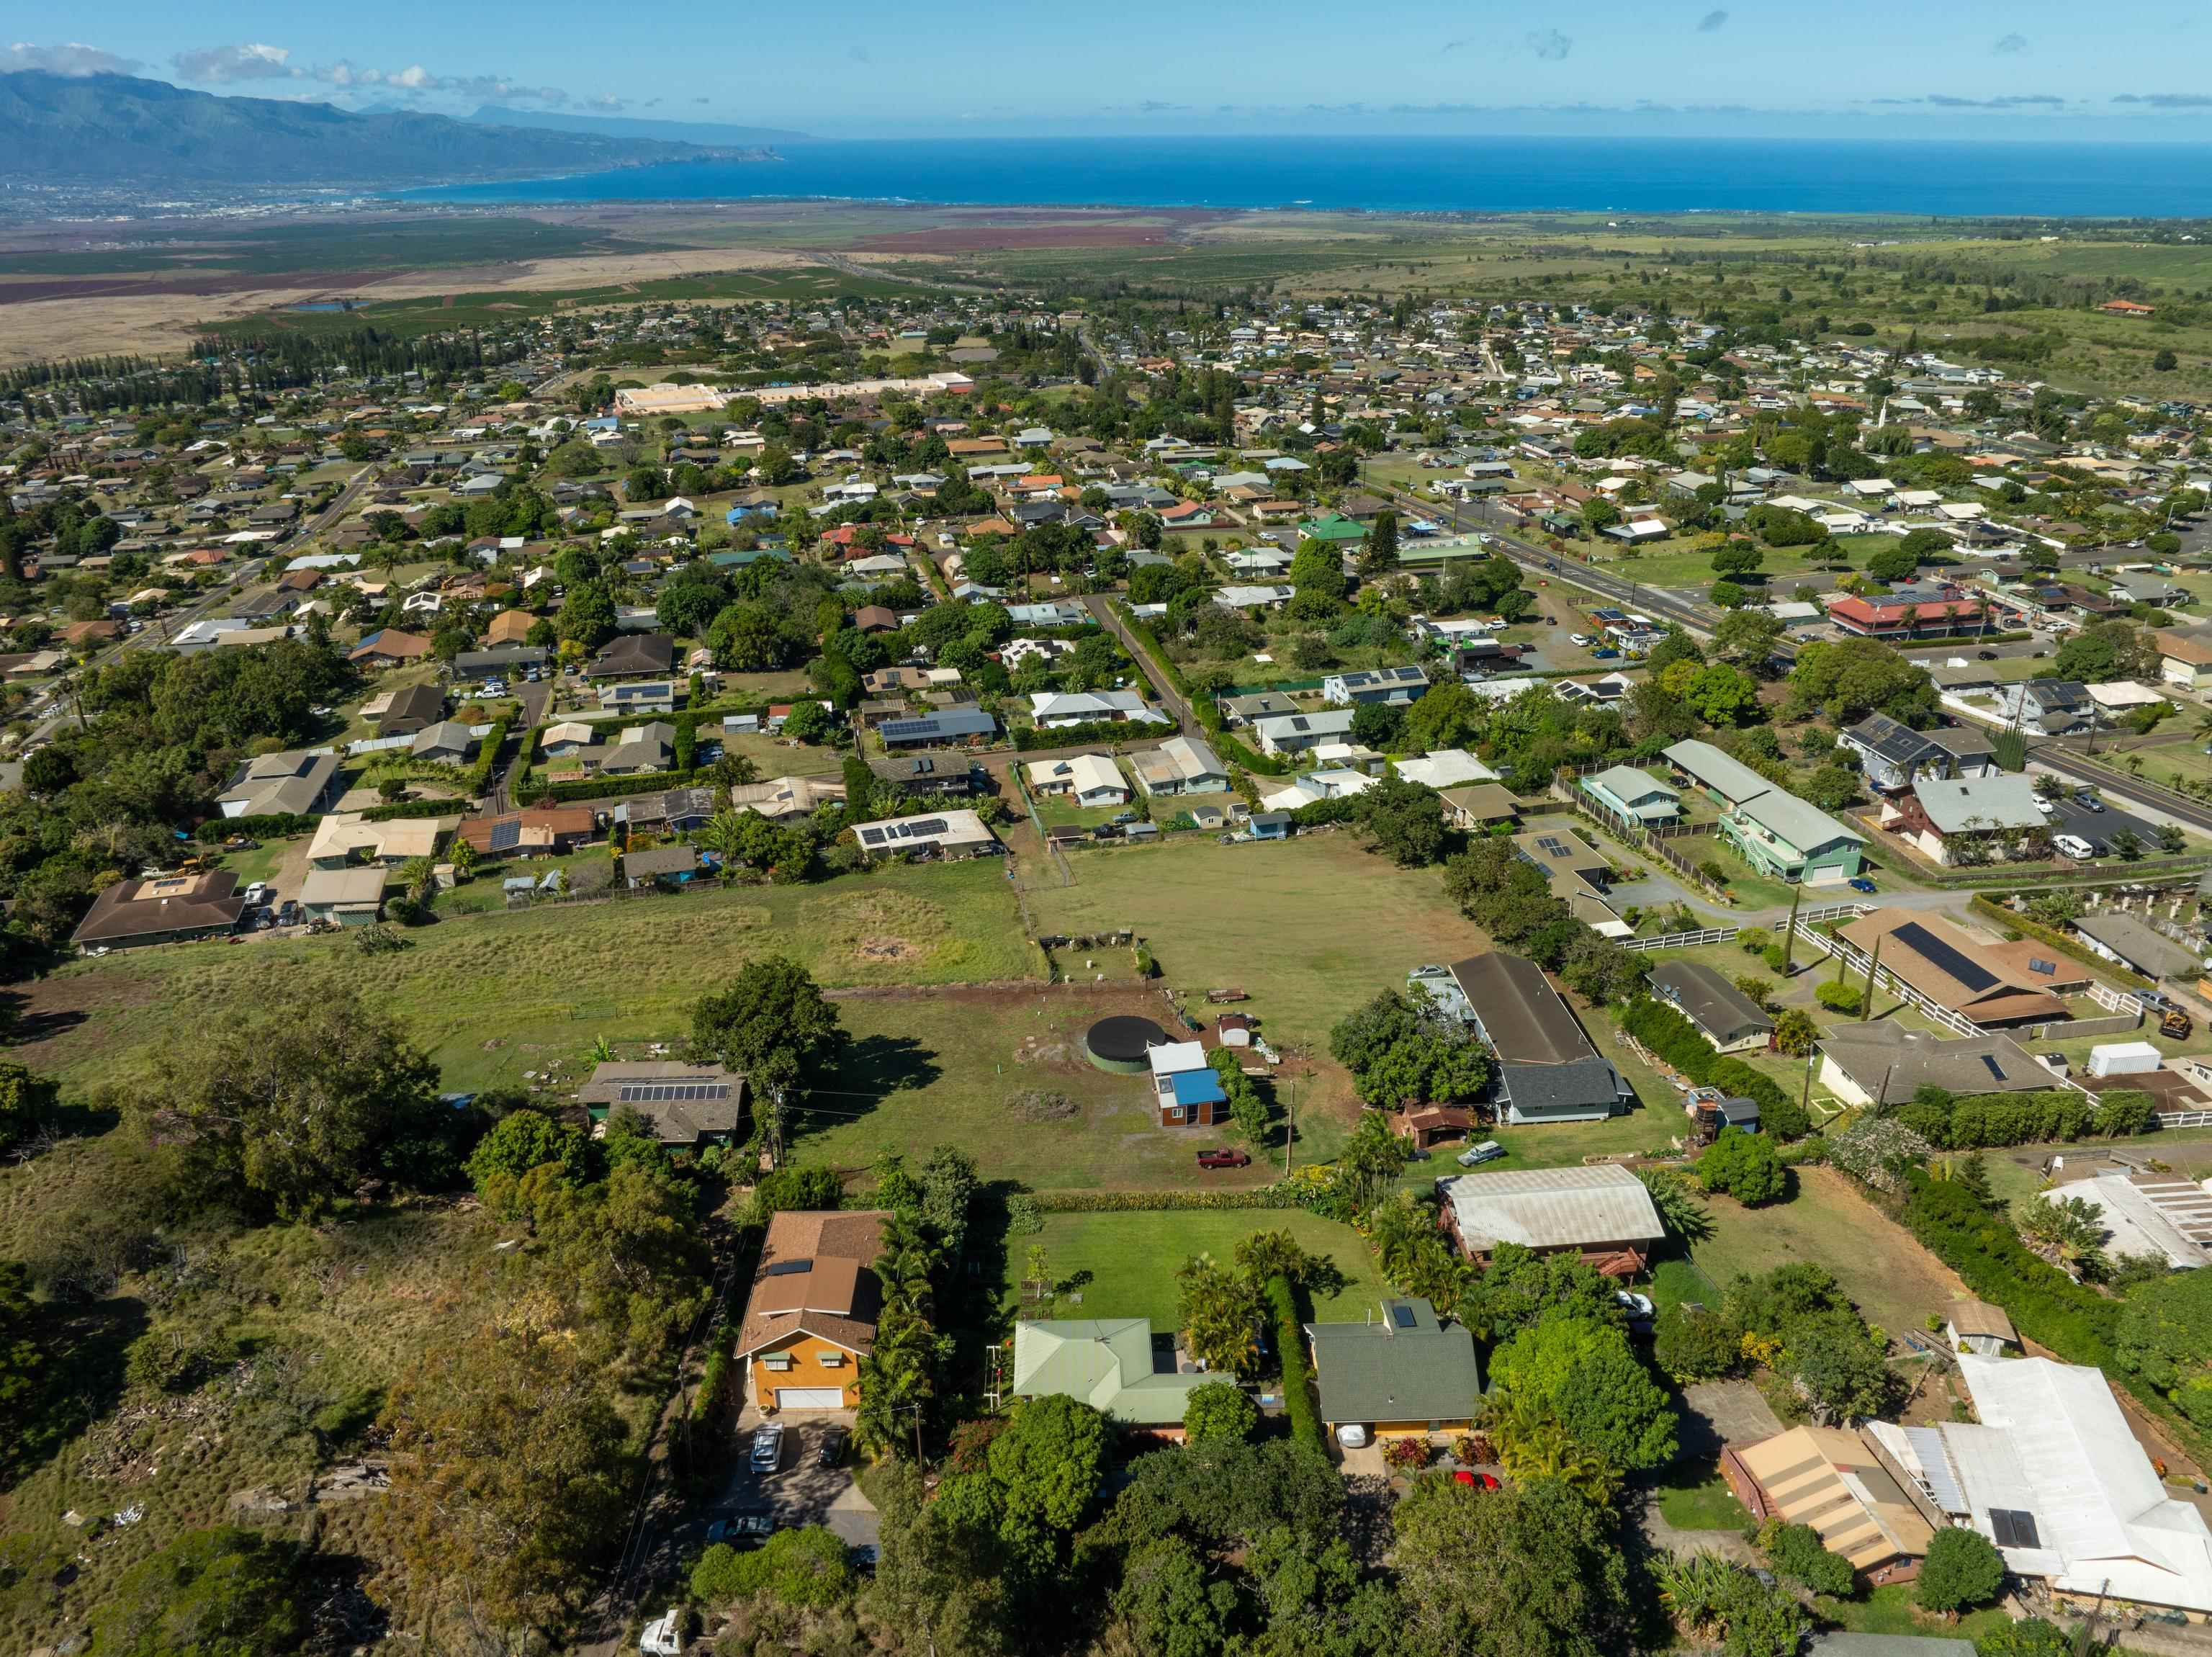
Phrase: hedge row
(398, 808)
(608, 787)
(1281, 1195)
(2036, 1119)
(1672, 1037)
(1107, 731)
(2058, 940)
(479, 775)
(275, 825)
(2045, 1305)
(1298, 1402)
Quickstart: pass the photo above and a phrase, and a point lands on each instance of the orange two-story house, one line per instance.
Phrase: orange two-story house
(813, 1314)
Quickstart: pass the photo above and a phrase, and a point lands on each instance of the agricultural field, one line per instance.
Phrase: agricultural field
(494, 996)
(1132, 1259)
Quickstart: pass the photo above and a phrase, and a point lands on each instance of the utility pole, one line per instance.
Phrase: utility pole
(1290, 1127)
(1873, 966)
(1790, 931)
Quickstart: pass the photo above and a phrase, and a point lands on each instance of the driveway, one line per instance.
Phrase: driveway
(2098, 828)
(1717, 1414)
(800, 1492)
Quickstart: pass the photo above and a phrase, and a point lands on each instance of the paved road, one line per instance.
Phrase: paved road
(1101, 604)
(534, 699)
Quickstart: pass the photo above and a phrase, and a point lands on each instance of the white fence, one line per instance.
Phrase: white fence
(1683, 939)
(2184, 1118)
(1856, 960)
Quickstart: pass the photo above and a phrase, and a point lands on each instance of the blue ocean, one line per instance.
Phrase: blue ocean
(1437, 174)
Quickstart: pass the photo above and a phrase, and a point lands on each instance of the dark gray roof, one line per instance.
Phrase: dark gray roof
(1522, 1015)
(1583, 1084)
(1898, 744)
(1708, 999)
(661, 860)
(1401, 1365)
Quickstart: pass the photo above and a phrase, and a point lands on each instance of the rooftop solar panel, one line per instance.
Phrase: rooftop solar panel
(2014, 1529)
(2049, 968)
(1551, 846)
(1933, 950)
(506, 835)
(1402, 1315)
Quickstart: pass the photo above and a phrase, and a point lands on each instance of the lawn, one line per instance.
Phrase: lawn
(1132, 1259)
(493, 995)
(1309, 927)
(1693, 1496)
(981, 1068)
(1895, 1282)
(1890, 1610)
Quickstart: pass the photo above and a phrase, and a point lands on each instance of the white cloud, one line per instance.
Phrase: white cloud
(222, 65)
(74, 58)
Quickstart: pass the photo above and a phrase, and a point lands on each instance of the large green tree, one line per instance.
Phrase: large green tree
(1589, 1376)
(1529, 1571)
(2166, 1337)
(220, 1592)
(773, 1025)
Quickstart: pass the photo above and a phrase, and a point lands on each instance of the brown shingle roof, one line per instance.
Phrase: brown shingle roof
(816, 1276)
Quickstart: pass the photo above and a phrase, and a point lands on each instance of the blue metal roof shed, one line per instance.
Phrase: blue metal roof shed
(1197, 1087)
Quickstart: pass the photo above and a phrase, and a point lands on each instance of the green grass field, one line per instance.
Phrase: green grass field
(494, 996)
(1132, 1259)
(1309, 927)
(1693, 1496)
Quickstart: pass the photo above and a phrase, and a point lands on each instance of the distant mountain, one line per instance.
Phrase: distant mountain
(612, 126)
(116, 129)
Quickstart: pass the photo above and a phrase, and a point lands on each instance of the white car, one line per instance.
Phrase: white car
(1580, 641)
(2075, 847)
(1353, 1435)
(2045, 807)
(664, 1635)
(768, 1447)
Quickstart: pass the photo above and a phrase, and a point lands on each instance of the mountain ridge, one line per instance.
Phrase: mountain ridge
(714, 134)
(119, 129)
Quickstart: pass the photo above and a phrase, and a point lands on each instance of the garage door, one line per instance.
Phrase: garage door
(810, 1397)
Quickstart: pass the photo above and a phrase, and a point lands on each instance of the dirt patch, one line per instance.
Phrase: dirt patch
(887, 949)
(1038, 1105)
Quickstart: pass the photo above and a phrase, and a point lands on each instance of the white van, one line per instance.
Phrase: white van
(2075, 847)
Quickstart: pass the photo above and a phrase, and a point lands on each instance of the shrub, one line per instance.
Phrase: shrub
(1744, 1165)
(1406, 1455)
(1777, 959)
(1797, 1552)
(1963, 1568)
(1695, 1346)
(803, 1567)
(1218, 1412)
(1299, 1405)
(1839, 997)
(2074, 1321)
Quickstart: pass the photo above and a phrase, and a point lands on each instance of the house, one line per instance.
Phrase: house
(640, 749)
(1836, 1481)
(1481, 806)
(930, 773)
(1056, 709)
(1181, 765)
(811, 1315)
(1295, 734)
(782, 797)
(1548, 1070)
(675, 811)
(537, 832)
(1269, 825)
(1778, 833)
(161, 909)
(387, 646)
(1970, 748)
(936, 834)
(1186, 1087)
(1116, 1365)
(2050, 1472)
(506, 661)
(1952, 968)
(1445, 768)
(950, 725)
(2048, 707)
(659, 866)
(345, 838)
(641, 696)
(1976, 1326)
(349, 896)
(410, 708)
(1241, 710)
(509, 627)
(1088, 779)
(688, 1105)
(291, 784)
(1602, 1214)
(1885, 1063)
(2131, 942)
(1395, 686)
(1399, 1372)
(1634, 795)
(1721, 1013)
(2166, 1217)
(2186, 656)
(633, 655)
(565, 740)
(1942, 818)
(1901, 616)
(448, 742)
(1894, 756)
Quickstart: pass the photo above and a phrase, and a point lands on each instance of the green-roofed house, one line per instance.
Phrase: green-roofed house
(1635, 795)
(1334, 530)
(1400, 1372)
(1112, 1364)
(1778, 833)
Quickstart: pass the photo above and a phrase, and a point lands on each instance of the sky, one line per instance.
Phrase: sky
(1864, 68)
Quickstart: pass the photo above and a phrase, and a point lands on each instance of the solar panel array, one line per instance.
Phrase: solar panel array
(507, 834)
(665, 1092)
(2050, 969)
(787, 1268)
(1932, 949)
(2014, 1529)
(1551, 846)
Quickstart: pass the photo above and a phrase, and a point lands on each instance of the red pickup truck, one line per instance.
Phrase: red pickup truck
(1223, 1158)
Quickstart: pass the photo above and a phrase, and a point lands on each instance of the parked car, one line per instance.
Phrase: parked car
(1224, 1157)
(288, 912)
(664, 1635)
(1480, 1481)
(1489, 1151)
(1580, 641)
(1986, 656)
(1860, 883)
(768, 1447)
(738, 1526)
(1353, 1436)
(2087, 801)
(831, 1453)
(1640, 1310)
(2075, 847)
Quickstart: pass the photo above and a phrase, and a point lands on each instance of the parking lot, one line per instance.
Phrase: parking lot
(800, 1492)
(2098, 828)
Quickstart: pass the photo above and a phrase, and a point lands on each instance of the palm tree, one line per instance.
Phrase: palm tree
(2068, 1231)
(416, 875)
(602, 1050)
(1533, 1444)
